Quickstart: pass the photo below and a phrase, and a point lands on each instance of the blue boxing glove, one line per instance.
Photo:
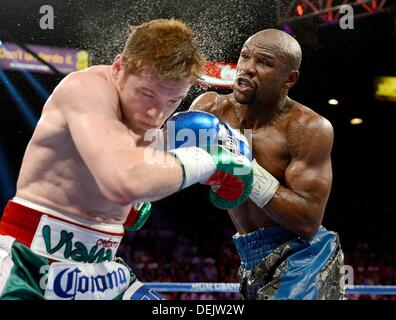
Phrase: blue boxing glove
(192, 129)
(233, 140)
(198, 128)
(210, 153)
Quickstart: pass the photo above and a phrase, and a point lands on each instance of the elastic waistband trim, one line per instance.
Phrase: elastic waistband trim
(102, 227)
(21, 221)
(255, 246)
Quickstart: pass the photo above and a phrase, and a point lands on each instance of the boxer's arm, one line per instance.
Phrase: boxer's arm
(205, 102)
(300, 203)
(108, 148)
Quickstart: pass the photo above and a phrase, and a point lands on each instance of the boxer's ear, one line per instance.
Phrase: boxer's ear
(291, 79)
(117, 66)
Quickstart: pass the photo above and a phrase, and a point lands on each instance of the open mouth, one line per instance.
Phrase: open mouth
(244, 84)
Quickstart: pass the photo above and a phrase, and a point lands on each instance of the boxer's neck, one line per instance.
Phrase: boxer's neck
(255, 116)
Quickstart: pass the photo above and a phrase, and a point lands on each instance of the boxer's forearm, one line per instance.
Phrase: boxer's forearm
(295, 212)
(141, 175)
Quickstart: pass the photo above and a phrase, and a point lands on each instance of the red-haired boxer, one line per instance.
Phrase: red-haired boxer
(86, 165)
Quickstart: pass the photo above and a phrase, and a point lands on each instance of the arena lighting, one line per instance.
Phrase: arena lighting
(385, 88)
(300, 10)
(22, 105)
(333, 102)
(42, 92)
(356, 121)
(325, 11)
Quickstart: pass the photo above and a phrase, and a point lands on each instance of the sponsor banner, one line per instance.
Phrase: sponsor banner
(13, 57)
(219, 75)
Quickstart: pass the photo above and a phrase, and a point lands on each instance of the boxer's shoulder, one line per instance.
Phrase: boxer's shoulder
(88, 87)
(204, 102)
(211, 102)
(84, 82)
(302, 116)
(305, 123)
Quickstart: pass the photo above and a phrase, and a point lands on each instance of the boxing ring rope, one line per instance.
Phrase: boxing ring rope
(234, 287)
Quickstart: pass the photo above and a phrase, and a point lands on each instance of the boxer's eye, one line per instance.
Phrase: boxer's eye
(146, 94)
(262, 61)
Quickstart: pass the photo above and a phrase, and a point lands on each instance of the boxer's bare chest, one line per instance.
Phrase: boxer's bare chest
(270, 149)
(269, 143)
(54, 174)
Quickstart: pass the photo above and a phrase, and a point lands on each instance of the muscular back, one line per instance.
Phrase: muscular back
(53, 173)
(279, 147)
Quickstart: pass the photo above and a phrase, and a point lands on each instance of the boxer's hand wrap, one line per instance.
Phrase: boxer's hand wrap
(218, 161)
(264, 185)
(138, 216)
(198, 165)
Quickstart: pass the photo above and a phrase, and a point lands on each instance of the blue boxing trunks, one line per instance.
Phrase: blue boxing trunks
(279, 265)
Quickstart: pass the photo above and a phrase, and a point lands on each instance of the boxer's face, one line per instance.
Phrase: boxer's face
(260, 78)
(147, 100)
